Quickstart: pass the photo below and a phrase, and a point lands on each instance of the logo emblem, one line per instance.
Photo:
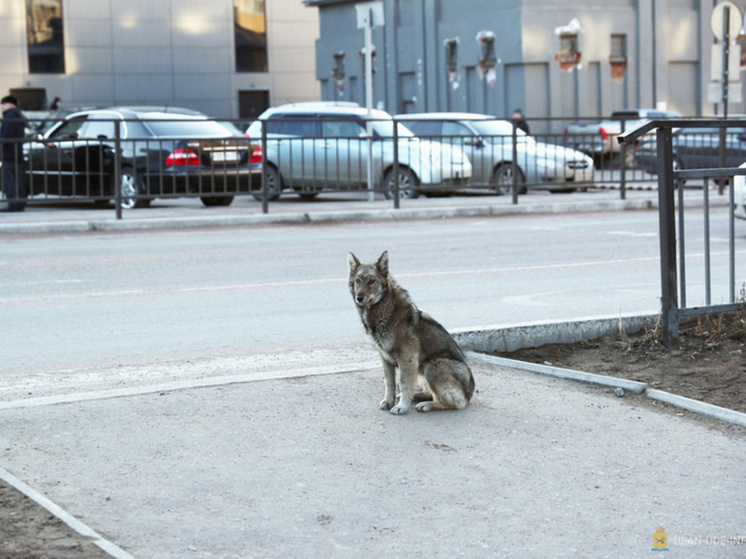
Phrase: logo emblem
(660, 539)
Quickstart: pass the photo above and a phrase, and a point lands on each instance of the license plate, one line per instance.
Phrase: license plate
(225, 156)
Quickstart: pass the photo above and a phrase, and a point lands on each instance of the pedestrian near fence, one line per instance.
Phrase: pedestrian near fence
(11, 138)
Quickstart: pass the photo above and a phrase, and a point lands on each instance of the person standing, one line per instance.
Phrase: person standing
(11, 138)
(520, 120)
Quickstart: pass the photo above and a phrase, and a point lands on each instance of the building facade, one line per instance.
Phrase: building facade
(227, 58)
(552, 58)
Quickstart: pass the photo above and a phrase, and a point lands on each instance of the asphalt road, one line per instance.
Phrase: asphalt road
(107, 301)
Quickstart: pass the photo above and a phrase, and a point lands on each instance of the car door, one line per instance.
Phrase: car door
(292, 140)
(93, 154)
(341, 157)
(479, 153)
(50, 160)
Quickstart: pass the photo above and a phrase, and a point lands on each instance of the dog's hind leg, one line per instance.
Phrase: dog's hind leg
(448, 392)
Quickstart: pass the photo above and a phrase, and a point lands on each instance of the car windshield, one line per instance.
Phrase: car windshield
(495, 128)
(385, 129)
(186, 128)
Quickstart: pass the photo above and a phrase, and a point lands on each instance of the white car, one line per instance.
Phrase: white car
(317, 146)
(488, 142)
(739, 194)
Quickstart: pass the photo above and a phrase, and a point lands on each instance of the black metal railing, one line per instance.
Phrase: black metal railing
(674, 309)
(128, 168)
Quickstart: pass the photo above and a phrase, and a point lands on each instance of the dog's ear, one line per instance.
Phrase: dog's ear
(353, 263)
(383, 264)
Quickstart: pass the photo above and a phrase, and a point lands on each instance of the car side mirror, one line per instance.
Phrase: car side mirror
(475, 141)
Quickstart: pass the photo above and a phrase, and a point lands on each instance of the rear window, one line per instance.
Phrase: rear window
(187, 129)
(423, 127)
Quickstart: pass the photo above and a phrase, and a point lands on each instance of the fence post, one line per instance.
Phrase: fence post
(514, 163)
(118, 169)
(623, 154)
(397, 192)
(265, 193)
(667, 230)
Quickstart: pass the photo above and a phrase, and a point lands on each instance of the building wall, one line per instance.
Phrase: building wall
(667, 49)
(178, 52)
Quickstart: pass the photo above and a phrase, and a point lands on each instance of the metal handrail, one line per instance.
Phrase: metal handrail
(671, 312)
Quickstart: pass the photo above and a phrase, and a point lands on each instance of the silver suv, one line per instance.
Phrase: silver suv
(317, 146)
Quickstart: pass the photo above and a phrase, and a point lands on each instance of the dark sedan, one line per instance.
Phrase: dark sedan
(162, 154)
(695, 148)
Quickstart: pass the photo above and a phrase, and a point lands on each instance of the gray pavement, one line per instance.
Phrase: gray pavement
(296, 465)
(289, 456)
(42, 217)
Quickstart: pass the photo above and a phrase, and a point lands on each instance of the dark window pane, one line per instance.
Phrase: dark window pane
(46, 47)
(252, 103)
(251, 35)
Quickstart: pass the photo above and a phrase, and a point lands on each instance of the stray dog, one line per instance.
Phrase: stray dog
(432, 368)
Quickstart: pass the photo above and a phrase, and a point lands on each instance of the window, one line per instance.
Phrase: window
(455, 129)
(342, 129)
(295, 125)
(250, 27)
(46, 47)
(252, 103)
(69, 130)
(618, 49)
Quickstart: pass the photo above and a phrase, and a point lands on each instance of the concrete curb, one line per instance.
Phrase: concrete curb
(191, 222)
(701, 408)
(57, 511)
(491, 339)
(558, 372)
(479, 341)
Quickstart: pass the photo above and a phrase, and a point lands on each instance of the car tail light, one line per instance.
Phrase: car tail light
(256, 155)
(182, 156)
(604, 134)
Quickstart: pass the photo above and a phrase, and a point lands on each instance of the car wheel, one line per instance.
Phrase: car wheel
(274, 185)
(131, 186)
(502, 180)
(216, 201)
(408, 184)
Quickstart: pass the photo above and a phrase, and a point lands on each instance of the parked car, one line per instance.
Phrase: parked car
(163, 154)
(488, 142)
(313, 146)
(695, 148)
(600, 138)
(739, 195)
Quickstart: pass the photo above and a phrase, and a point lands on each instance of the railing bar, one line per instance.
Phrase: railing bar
(732, 240)
(682, 244)
(708, 280)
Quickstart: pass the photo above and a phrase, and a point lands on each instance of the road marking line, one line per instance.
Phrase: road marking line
(189, 384)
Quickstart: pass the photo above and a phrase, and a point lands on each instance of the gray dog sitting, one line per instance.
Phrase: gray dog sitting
(432, 368)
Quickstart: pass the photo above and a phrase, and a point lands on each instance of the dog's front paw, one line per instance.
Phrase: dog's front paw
(400, 409)
(386, 405)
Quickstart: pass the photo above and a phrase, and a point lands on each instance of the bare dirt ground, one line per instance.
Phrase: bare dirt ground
(28, 531)
(709, 365)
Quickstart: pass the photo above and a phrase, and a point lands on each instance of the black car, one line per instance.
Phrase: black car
(695, 148)
(161, 154)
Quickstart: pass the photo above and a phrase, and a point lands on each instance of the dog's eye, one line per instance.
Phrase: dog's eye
(371, 281)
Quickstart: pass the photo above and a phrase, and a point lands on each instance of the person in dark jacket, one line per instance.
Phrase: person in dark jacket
(11, 138)
(520, 120)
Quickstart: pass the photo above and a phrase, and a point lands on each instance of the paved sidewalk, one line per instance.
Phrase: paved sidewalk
(290, 465)
(41, 218)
